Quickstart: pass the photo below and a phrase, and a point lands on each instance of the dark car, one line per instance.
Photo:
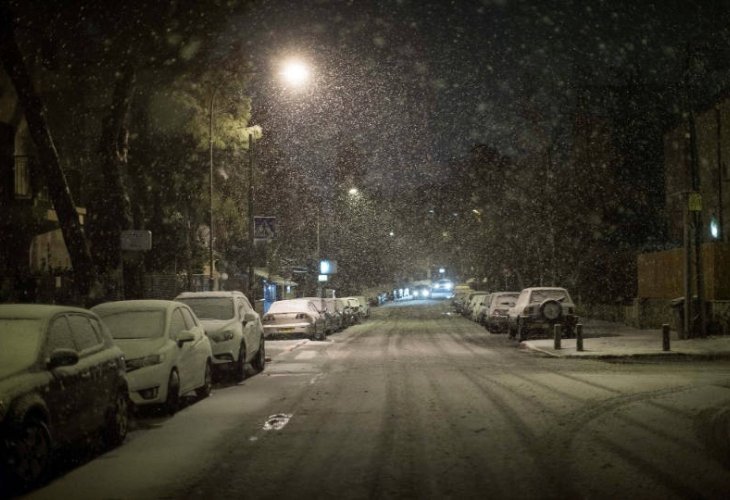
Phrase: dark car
(61, 379)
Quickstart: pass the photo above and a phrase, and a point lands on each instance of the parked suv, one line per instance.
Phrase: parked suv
(538, 309)
(235, 330)
(61, 378)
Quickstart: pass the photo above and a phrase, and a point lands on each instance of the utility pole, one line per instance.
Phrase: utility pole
(251, 235)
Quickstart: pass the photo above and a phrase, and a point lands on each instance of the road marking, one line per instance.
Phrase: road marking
(277, 422)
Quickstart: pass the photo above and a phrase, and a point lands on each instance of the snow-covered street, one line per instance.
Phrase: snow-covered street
(419, 403)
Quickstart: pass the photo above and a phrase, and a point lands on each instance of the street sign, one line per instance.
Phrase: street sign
(322, 278)
(264, 228)
(328, 267)
(136, 240)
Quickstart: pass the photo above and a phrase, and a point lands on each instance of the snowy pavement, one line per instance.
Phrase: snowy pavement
(607, 340)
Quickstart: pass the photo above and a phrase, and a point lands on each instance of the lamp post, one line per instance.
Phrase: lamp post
(211, 280)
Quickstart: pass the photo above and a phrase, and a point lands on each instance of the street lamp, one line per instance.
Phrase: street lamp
(295, 73)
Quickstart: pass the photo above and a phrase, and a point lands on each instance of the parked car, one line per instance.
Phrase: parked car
(421, 292)
(461, 294)
(330, 322)
(471, 301)
(361, 305)
(166, 349)
(337, 314)
(295, 317)
(477, 307)
(495, 317)
(537, 309)
(233, 327)
(349, 315)
(61, 379)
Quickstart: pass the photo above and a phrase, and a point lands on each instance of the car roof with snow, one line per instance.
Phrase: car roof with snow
(139, 305)
(217, 293)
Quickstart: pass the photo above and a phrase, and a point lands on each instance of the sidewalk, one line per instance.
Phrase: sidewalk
(606, 340)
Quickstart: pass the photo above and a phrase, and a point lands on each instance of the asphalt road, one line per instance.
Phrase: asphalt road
(419, 403)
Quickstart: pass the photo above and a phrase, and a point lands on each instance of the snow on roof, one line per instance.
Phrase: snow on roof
(123, 305)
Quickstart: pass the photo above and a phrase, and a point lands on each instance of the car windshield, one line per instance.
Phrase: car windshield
(19, 343)
(135, 324)
(211, 307)
(287, 306)
(543, 295)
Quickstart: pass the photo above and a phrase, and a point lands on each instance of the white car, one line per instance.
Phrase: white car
(364, 308)
(477, 306)
(495, 317)
(537, 309)
(233, 327)
(167, 352)
(295, 317)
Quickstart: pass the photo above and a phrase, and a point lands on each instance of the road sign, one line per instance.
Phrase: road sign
(264, 228)
(327, 267)
(136, 240)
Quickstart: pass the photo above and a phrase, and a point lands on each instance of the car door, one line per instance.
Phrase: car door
(184, 353)
(65, 397)
(198, 351)
(92, 360)
(251, 329)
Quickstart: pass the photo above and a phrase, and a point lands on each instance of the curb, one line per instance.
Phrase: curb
(668, 355)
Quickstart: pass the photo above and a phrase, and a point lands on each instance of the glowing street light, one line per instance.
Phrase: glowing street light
(353, 191)
(295, 73)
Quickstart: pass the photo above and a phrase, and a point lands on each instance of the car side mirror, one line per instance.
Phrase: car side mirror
(63, 357)
(185, 336)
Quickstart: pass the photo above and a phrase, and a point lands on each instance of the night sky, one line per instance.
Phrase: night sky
(416, 84)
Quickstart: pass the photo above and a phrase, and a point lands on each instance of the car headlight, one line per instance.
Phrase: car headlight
(222, 336)
(135, 364)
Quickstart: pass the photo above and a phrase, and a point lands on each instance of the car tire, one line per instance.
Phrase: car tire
(259, 361)
(29, 448)
(239, 373)
(172, 402)
(117, 420)
(204, 390)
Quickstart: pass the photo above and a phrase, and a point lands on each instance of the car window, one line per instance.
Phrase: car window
(211, 307)
(190, 321)
(59, 335)
(83, 333)
(133, 324)
(177, 323)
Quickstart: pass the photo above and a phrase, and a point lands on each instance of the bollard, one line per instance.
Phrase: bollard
(665, 337)
(557, 335)
(579, 337)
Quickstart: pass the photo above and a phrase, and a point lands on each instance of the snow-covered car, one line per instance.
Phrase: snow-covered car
(470, 302)
(495, 317)
(364, 306)
(330, 322)
(477, 307)
(61, 379)
(537, 309)
(336, 311)
(349, 315)
(461, 295)
(235, 330)
(295, 317)
(167, 352)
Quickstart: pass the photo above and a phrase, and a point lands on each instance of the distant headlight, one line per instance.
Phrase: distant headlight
(221, 336)
(449, 286)
(135, 364)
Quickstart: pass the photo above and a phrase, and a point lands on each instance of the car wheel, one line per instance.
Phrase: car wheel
(117, 421)
(204, 390)
(29, 452)
(259, 362)
(240, 368)
(172, 403)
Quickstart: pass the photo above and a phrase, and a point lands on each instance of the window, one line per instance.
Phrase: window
(59, 335)
(22, 178)
(83, 333)
(189, 320)
(177, 323)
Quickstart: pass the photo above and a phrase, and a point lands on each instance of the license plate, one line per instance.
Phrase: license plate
(286, 329)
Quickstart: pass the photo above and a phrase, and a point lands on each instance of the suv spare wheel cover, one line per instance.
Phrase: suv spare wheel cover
(551, 309)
